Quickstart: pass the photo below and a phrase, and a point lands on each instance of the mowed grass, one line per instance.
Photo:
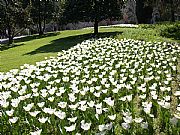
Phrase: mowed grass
(35, 48)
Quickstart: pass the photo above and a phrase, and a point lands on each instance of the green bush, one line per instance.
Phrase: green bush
(171, 31)
(147, 26)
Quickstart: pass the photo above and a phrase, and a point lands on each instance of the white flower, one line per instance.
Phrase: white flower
(34, 114)
(115, 90)
(109, 101)
(98, 105)
(125, 125)
(85, 126)
(52, 91)
(128, 119)
(123, 98)
(38, 132)
(61, 115)
(144, 125)
(28, 107)
(74, 107)
(51, 99)
(102, 127)
(178, 108)
(83, 107)
(41, 104)
(177, 115)
(65, 79)
(62, 104)
(138, 120)
(10, 113)
(83, 92)
(99, 108)
(15, 102)
(167, 98)
(43, 119)
(49, 110)
(70, 128)
(72, 97)
(174, 120)
(129, 97)
(109, 126)
(167, 105)
(92, 89)
(112, 117)
(72, 119)
(97, 94)
(91, 103)
(104, 91)
(143, 96)
(13, 120)
(177, 93)
(4, 103)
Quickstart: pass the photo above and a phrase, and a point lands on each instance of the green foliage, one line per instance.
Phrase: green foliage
(171, 31)
(44, 11)
(13, 17)
(77, 10)
(91, 10)
(164, 29)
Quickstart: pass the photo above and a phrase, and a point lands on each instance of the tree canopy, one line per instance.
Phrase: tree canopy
(91, 10)
(13, 17)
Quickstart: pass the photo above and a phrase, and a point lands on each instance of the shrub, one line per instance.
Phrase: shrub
(171, 31)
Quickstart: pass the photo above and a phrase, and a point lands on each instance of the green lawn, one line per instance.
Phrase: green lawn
(35, 48)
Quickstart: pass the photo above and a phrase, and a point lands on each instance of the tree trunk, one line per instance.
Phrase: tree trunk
(10, 36)
(139, 11)
(45, 15)
(172, 11)
(44, 26)
(40, 28)
(10, 41)
(39, 21)
(96, 27)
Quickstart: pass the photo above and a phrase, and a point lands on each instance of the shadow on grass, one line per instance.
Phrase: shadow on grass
(5, 45)
(68, 42)
(28, 38)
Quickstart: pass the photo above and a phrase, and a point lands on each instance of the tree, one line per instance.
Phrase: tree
(91, 10)
(14, 18)
(44, 11)
(167, 8)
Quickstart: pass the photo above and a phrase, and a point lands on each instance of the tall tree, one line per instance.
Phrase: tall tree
(42, 12)
(92, 10)
(172, 10)
(14, 18)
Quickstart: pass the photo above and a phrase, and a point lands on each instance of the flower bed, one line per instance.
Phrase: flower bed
(102, 86)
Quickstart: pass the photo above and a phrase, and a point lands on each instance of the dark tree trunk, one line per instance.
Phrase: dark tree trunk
(172, 11)
(10, 40)
(44, 26)
(45, 16)
(96, 26)
(40, 28)
(139, 11)
(10, 36)
(40, 21)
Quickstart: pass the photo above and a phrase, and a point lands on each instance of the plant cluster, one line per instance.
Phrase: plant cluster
(101, 86)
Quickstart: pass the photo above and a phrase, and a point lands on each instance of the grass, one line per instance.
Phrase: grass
(35, 48)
